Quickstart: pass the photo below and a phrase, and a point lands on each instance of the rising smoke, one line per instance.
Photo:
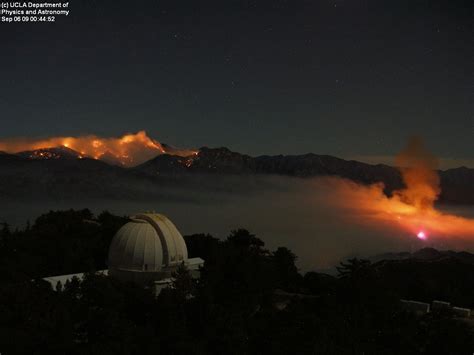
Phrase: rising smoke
(128, 150)
(418, 167)
(412, 208)
(323, 220)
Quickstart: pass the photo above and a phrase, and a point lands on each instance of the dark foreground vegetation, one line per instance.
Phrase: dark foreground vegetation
(248, 300)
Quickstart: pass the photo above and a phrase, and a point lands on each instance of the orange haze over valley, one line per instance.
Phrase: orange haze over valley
(411, 208)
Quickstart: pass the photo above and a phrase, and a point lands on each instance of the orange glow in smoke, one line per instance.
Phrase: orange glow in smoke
(129, 150)
(410, 209)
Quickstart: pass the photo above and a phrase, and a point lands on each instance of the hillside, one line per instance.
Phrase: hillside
(63, 172)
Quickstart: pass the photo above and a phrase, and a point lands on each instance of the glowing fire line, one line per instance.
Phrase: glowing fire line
(128, 150)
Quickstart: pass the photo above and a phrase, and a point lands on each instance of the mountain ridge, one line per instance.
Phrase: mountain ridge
(457, 184)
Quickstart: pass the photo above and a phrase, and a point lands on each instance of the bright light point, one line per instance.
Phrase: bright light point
(421, 235)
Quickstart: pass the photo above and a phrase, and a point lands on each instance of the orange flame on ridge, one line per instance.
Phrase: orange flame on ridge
(128, 150)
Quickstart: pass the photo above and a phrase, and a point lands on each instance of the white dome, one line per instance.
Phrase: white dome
(149, 243)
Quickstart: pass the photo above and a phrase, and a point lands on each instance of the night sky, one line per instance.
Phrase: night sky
(346, 78)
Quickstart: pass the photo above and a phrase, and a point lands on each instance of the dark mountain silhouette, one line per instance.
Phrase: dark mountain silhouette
(58, 178)
(224, 161)
(429, 274)
(457, 184)
(6, 157)
(56, 168)
(427, 255)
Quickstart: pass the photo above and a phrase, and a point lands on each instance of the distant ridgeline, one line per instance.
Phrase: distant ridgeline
(43, 169)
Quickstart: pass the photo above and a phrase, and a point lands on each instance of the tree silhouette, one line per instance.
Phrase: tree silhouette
(183, 283)
(234, 308)
(242, 238)
(354, 268)
(286, 271)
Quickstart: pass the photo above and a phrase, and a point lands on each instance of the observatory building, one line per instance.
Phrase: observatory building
(146, 251)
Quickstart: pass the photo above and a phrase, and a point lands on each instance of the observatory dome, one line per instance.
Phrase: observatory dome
(147, 248)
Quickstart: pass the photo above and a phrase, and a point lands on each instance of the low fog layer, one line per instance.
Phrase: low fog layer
(319, 219)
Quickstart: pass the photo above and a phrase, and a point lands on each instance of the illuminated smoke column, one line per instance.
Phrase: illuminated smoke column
(128, 150)
(410, 210)
(418, 168)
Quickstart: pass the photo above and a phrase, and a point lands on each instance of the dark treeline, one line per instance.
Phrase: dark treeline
(58, 243)
(249, 300)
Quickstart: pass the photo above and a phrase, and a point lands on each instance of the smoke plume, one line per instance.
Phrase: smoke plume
(128, 150)
(323, 220)
(418, 168)
(411, 209)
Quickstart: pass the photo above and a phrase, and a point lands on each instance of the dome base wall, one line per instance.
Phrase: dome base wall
(141, 277)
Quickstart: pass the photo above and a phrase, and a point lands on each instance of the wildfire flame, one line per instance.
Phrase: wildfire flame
(128, 150)
(411, 209)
